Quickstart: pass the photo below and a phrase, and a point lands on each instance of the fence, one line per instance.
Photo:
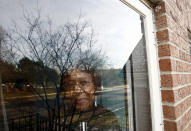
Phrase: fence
(30, 122)
(34, 122)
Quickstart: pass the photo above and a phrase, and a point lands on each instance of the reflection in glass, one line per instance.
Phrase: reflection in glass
(86, 71)
(137, 79)
(80, 87)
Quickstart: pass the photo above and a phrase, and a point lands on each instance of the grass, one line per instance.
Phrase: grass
(25, 94)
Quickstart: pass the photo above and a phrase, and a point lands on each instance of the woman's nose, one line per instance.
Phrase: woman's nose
(77, 88)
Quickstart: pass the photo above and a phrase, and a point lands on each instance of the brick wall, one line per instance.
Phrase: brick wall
(173, 20)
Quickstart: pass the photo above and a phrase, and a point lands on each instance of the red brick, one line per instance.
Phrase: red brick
(169, 112)
(172, 65)
(166, 80)
(184, 121)
(168, 96)
(174, 17)
(179, 125)
(163, 35)
(164, 50)
(175, 95)
(167, 65)
(188, 128)
(174, 112)
(171, 80)
(167, 50)
(182, 93)
(177, 29)
(179, 41)
(170, 126)
(173, 51)
(183, 67)
(161, 22)
(184, 56)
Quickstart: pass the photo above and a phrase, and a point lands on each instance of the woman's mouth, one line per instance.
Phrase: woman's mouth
(82, 101)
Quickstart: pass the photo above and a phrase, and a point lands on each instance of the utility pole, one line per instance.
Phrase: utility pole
(6, 128)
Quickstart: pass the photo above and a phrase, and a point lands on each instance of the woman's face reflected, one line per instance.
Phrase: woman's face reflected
(79, 89)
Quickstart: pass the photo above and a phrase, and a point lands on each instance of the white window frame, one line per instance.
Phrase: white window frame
(152, 61)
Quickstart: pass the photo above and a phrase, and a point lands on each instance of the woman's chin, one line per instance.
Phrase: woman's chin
(83, 104)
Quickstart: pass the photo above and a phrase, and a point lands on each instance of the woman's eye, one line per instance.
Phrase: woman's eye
(85, 83)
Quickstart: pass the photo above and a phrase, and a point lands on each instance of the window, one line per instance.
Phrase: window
(84, 67)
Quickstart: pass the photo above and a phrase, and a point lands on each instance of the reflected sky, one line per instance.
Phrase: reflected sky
(117, 27)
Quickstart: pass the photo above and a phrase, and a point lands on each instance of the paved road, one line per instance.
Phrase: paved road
(108, 89)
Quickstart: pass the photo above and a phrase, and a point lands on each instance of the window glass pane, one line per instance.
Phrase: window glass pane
(72, 65)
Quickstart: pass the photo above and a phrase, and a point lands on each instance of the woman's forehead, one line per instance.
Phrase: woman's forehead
(80, 75)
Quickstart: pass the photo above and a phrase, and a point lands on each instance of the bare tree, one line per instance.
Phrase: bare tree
(7, 54)
(71, 46)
